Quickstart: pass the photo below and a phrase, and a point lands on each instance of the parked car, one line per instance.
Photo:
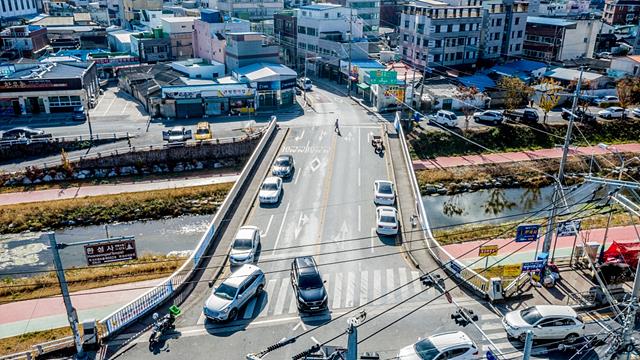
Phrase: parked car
(283, 166)
(454, 345)
(245, 245)
(444, 117)
(176, 134)
(271, 190)
(580, 115)
(636, 112)
(304, 83)
(308, 285)
(524, 115)
(386, 220)
(228, 297)
(553, 322)
(383, 193)
(489, 116)
(607, 101)
(203, 131)
(24, 132)
(79, 114)
(613, 112)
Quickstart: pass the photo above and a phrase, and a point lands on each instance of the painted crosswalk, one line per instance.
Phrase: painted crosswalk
(498, 343)
(345, 290)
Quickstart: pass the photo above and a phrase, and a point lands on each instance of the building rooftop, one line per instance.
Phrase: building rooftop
(258, 71)
(58, 70)
(367, 64)
(179, 19)
(320, 7)
(195, 63)
(55, 21)
(549, 21)
(82, 16)
(479, 80)
(571, 74)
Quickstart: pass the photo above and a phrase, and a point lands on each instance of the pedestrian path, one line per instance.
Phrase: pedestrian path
(115, 188)
(344, 290)
(508, 157)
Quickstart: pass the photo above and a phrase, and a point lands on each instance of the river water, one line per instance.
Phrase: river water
(501, 205)
(28, 252)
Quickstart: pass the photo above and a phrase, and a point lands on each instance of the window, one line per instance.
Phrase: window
(517, 21)
(496, 36)
(406, 24)
(519, 34)
(3, 8)
(438, 43)
(438, 28)
(586, 40)
(459, 55)
(499, 22)
(420, 29)
(326, 15)
(517, 47)
(463, 27)
(302, 30)
(436, 57)
(10, 7)
(312, 31)
(405, 37)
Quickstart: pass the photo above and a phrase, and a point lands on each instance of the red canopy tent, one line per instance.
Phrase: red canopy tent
(626, 251)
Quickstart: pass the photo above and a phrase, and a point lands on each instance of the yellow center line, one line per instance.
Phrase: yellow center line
(326, 187)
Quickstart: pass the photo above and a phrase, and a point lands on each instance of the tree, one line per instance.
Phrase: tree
(517, 92)
(466, 95)
(628, 90)
(549, 97)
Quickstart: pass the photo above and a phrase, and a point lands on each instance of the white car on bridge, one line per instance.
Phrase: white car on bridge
(386, 220)
(245, 245)
(383, 193)
(228, 297)
(549, 322)
(271, 190)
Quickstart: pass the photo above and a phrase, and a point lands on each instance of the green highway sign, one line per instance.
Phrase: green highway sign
(380, 77)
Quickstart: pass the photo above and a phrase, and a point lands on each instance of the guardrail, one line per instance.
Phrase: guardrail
(76, 138)
(515, 285)
(473, 279)
(41, 349)
(174, 284)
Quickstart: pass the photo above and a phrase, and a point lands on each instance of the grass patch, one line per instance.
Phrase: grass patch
(24, 342)
(111, 208)
(145, 268)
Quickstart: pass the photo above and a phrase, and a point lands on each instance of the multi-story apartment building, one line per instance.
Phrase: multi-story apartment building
(209, 34)
(151, 47)
(285, 30)
(367, 10)
(621, 12)
(26, 40)
(436, 33)
(246, 9)
(130, 10)
(15, 9)
(557, 40)
(248, 48)
(503, 28)
(179, 30)
(323, 35)
(390, 13)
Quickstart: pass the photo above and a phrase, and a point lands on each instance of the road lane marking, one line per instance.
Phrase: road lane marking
(373, 236)
(298, 138)
(293, 305)
(248, 311)
(403, 278)
(300, 324)
(359, 218)
(359, 178)
(351, 288)
(271, 285)
(124, 108)
(302, 221)
(364, 284)
(390, 286)
(264, 234)
(337, 291)
(315, 164)
(359, 141)
(109, 107)
(315, 341)
(377, 284)
(284, 218)
(297, 177)
(326, 187)
(416, 284)
(201, 319)
(282, 296)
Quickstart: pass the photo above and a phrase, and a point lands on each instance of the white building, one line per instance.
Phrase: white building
(556, 39)
(19, 8)
(248, 10)
(366, 10)
(625, 65)
(199, 68)
(503, 27)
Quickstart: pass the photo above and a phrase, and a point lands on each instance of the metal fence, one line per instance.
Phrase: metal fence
(473, 279)
(41, 349)
(77, 138)
(174, 284)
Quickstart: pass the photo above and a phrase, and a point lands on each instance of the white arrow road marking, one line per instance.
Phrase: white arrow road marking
(369, 136)
(349, 136)
(301, 222)
(300, 324)
(284, 218)
(315, 341)
(263, 234)
(299, 137)
(315, 164)
(374, 236)
(322, 134)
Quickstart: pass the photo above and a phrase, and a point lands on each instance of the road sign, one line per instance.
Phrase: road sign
(511, 270)
(109, 252)
(488, 250)
(380, 77)
(569, 228)
(527, 232)
(490, 355)
(532, 265)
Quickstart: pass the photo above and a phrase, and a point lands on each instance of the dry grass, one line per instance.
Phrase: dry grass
(110, 208)
(145, 268)
(24, 342)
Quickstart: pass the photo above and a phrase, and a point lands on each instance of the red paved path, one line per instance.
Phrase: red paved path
(459, 251)
(453, 161)
(108, 189)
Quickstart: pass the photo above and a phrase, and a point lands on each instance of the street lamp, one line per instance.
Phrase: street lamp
(304, 85)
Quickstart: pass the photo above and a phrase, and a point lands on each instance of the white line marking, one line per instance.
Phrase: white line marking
(201, 319)
(374, 235)
(298, 138)
(351, 288)
(364, 284)
(271, 285)
(109, 107)
(293, 305)
(404, 292)
(416, 284)
(297, 177)
(281, 226)
(315, 341)
(359, 218)
(268, 226)
(124, 108)
(377, 285)
(390, 286)
(359, 142)
(300, 324)
(248, 311)
(359, 178)
(282, 296)
(337, 291)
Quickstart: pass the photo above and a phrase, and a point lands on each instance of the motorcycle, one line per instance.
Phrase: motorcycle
(161, 325)
(377, 143)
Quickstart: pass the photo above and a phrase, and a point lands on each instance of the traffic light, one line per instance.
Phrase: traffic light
(463, 317)
(430, 280)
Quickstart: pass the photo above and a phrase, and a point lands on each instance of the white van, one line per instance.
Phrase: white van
(444, 117)
(304, 83)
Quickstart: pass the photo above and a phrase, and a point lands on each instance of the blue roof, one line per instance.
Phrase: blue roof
(367, 64)
(480, 81)
(320, 7)
(519, 68)
(549, 21)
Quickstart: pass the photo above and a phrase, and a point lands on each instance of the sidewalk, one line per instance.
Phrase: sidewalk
(468, 252)
(508, 157)
(49, 313)
(116, 188)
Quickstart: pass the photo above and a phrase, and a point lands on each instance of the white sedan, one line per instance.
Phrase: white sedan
(489, 116)
(454, 345)
(553, 322)
(245, 245)
(383, 193)
(613, 112)
(386, 220)
(636, 112)
(271, 190)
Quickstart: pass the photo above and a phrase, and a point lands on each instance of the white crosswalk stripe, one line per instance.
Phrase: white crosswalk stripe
(390, 298)
(337, 291)
(491, 325)
(351, 289)
(364, 287)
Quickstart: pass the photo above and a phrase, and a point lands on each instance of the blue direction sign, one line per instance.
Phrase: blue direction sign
(569, 228)
(527, 232)
(532, 265)
(489, 355)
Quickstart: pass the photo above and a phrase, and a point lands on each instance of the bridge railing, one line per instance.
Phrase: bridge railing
(454, 267)
(146, 302)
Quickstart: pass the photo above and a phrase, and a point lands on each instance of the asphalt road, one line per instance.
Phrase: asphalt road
(327, 211)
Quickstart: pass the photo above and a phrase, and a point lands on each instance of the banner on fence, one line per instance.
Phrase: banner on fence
(569, 228)
(532, 265)
(511, 270)
(488, 250)
(527, 232)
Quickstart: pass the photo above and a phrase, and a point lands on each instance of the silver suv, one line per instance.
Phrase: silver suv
(228, 297)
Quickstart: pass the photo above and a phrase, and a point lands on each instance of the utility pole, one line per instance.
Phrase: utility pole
(352, 331)
(546, 245)
(72, 315)
(528, 345)
(424, 76)
(350, 38)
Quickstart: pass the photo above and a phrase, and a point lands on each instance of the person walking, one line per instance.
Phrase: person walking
(337, 127)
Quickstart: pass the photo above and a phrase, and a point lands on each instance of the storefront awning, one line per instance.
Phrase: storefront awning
(363, 86)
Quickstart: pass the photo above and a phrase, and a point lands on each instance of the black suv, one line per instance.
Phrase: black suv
(308, 285)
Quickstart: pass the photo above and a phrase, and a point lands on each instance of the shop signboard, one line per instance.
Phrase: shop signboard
(532, 265)
(229, 90)
(115, 61)
(181, 93)
(268, 85)
(288, 83)
(380, 77)
(40, 84)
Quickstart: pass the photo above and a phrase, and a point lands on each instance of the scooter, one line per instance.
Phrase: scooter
(161, 325)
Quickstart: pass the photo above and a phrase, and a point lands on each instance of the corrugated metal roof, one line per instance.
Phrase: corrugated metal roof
(549, 21)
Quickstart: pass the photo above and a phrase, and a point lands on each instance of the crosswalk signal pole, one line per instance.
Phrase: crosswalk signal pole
(528, 344)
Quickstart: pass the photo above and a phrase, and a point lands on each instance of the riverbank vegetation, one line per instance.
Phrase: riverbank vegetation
(146, 205)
